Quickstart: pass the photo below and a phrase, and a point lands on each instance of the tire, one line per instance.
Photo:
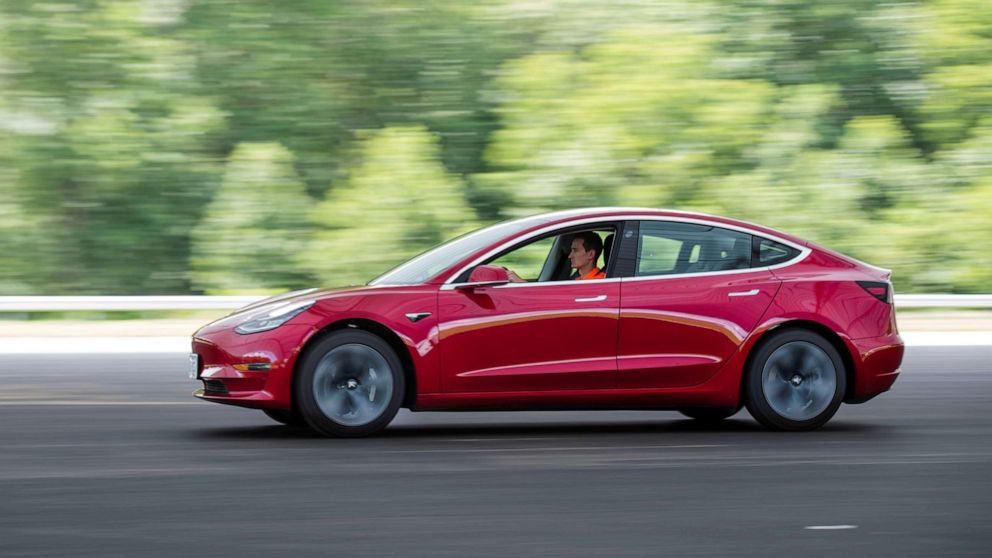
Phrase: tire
(350, 384)
(710, 414)
(289, 418)
(795, 381)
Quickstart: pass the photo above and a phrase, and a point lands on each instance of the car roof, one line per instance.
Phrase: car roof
(565, 216)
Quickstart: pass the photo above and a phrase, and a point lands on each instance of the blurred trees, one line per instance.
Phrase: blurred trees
(170, 146)
(108, 145)
(398, 201)
(254, 226)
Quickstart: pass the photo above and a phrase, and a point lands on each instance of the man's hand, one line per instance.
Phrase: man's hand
(514, 278)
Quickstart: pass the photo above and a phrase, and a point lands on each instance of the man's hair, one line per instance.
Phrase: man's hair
(591, 241)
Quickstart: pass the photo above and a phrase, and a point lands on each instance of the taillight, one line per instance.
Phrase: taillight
(881, 291)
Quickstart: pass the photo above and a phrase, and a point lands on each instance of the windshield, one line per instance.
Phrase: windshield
(437, 259)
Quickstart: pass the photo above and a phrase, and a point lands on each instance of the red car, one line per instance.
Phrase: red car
(680, 311)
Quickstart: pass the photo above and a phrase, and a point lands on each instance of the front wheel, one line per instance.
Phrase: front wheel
(795, 381)
(350, 384)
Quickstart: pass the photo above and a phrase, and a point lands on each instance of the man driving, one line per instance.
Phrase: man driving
(584, 253)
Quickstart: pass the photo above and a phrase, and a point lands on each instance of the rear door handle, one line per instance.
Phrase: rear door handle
(591, 299)
(752, 292)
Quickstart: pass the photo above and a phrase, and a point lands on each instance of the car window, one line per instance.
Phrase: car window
(771, 253)
(437, 259)
(546, 259)
(659, 255)
(527, 260)
(666, 248)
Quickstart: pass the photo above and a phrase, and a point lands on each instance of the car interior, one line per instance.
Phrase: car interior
(678, 249)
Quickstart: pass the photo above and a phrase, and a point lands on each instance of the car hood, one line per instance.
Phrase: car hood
(266, 304)
(293, 296)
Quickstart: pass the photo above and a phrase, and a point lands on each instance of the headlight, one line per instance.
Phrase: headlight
(273, 299)
(273, 318)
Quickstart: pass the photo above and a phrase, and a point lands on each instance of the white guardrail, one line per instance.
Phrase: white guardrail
(112, 303)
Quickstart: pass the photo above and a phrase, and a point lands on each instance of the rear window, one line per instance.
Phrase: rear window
(771, 253)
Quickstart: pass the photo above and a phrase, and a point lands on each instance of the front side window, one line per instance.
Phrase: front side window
(668, 248)
(527, 261)
(557, 256)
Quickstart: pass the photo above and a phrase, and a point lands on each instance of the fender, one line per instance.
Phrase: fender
(387, 309)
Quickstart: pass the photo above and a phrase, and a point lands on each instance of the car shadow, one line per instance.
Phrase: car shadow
(497, 430)
(676, 426)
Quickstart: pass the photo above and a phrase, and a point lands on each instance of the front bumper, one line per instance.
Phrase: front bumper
(221, 350)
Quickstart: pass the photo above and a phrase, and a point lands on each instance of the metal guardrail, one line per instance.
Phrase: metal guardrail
(112, 303)
(117, 303)
(943, 301)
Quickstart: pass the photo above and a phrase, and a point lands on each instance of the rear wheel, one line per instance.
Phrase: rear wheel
(795, 381)
(289, 418)
(350, 384)
(710, 414)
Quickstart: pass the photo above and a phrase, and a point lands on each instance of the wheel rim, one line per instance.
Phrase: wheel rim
(353, 384)
(799, 380)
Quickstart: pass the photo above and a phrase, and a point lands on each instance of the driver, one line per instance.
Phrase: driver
(586, 248)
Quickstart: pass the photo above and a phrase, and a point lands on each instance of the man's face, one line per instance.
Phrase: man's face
(579, 257)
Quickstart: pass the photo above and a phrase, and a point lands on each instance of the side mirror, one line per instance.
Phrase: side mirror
(485, 276)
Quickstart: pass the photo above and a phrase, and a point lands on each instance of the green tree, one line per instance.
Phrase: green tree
(956, 41)
(26, 265)
(255, 226)
(643, 117)
(111, 143)
(397, 202)
(859, 123)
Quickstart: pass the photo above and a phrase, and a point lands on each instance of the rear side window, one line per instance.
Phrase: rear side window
(770, 252)
(659, 255)
(667, 248)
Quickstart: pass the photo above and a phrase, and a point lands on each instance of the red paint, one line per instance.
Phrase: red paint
(529, 337)
(664, 342)
(678, 332)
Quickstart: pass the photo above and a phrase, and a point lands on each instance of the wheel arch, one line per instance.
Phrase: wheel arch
(379, 330)
(830, 335)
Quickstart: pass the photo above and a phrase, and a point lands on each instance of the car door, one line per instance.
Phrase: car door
(691, 302)
(535, 336)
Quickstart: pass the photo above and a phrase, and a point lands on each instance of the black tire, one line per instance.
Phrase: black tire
(774, 391)
(710, 414)
(289, 418)
(338, 409)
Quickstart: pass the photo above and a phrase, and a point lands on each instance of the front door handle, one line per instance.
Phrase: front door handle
(592, 299)
(752, 292)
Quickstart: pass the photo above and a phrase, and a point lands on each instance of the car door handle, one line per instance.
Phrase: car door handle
(752, 292)
(591, 299)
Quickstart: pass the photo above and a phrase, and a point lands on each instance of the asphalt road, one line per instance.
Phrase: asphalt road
(110, 456)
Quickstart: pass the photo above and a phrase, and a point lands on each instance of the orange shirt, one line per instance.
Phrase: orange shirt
(594, 273)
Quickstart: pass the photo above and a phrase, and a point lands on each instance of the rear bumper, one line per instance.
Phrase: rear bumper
(878, 361)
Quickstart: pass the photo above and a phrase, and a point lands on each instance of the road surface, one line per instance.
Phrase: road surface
(109, 455)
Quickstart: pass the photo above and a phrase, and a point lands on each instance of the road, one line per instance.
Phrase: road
(108, 455)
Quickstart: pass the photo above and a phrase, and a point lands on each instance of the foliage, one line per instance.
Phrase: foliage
(398, 201)
(256, 222)
(173, 146)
